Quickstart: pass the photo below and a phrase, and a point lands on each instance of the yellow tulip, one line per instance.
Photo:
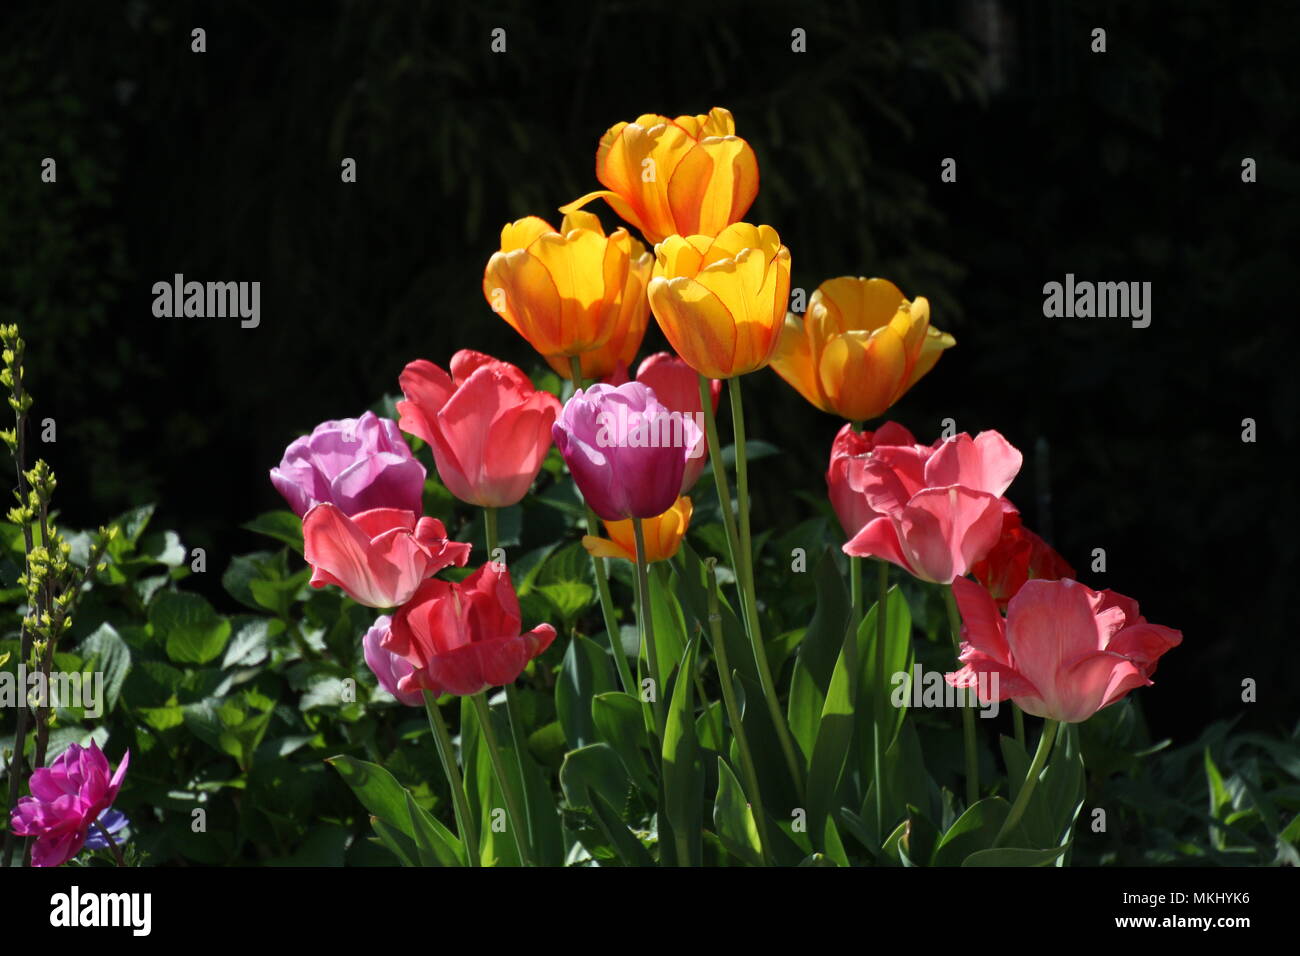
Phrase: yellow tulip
(859, 347)
(663, 535)
(568, 292)
(720, 302)
(686, 176)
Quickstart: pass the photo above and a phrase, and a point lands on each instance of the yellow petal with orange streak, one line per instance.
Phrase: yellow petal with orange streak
(696, 323)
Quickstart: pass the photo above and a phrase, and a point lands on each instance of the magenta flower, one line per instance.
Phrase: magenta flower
(387, 667)
(357, 464)
(67, 797)
(626, 451)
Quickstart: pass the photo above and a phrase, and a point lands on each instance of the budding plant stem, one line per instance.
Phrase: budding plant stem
(465, 822)
(726, 677)
(645, 616)
(748, 593)
(878, 745)
(512, 694)
(602, 578)
(1045, 743)
(967, 714)
(518, 822)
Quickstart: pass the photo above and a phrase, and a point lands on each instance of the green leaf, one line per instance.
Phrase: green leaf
(629, 849)
(283, 526)
(193, 631)
(834, 736)
(620, 722)
(683, 771)
(585, 672)
(106, 652)
(435, 844)
(733, 818)
(595, 768)
(1012, 856)
(817, 656)
(976, 829)
(391, 805)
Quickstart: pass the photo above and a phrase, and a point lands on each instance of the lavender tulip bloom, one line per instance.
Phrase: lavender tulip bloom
(626, 451)
(387, 667)
(356, 464)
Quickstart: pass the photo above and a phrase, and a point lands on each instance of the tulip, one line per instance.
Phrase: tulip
(388, 668)
(462, 638)
(1018, 556)
(720, 302)
(846, 477)
(67, 798)
(378, 557)
(489, 429)
(1063, 652)
(663, 535)
(940, 508)
(571, 291)
(626, 451)
(357, 464)
(686, 176)
(860, 346)
(678, 386)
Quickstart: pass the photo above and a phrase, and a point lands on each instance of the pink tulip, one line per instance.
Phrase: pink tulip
(939, 508)
(845, 477)
(67, 798)
(677, 385)
(1063, 652)
(489, 429)
(462, 638)
(379, 557)
(388, 668)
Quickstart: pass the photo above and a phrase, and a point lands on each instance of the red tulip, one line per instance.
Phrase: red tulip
(380, 556)
(1018, 556)
(939, 508)
(489, 429)
(1063, 652)
(463, 638)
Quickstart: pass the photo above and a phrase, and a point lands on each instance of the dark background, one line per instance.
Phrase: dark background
(1122, 166)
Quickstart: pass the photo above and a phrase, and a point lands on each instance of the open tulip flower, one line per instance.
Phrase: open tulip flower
(378, 557)
(940, 508)
(1063, 652)
(462, 638)
(571, 291)
(357, 464)
(721, 301)
(686, 176)
(489, 429)
(846, 478)
(859, 347)
(67, 798)
(663, 535)
(626, 451)
(1019, 556)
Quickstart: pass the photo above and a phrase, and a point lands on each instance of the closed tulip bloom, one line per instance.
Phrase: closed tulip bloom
(1019, 556)
(488, 428)
(1063, 652)
(67, 798)
(859, 347)
(388, 668)
(357, 464)
(686, 176)
(663, 535)
(940, 508)
(377, 557)
(851, 452)
(626, 451)
(571, 291)
(677, 385)
(721, 302)
(462, 638)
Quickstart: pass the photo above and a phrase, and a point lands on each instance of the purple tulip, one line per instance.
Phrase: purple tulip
(625, 449)
(67, 797)
(356, 464)
(387, 667)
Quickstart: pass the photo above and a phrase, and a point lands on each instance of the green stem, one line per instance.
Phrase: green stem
(1031, 779)
(465, 822)
(112, 844)
(518, 822)
(967, 713)
(602, 578)
(722, 486)
(645, 617)
(749, 593)
(726, 678)
(1018, 716)
(877, 745)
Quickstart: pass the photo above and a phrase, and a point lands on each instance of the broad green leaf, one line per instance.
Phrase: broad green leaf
(585, 672)
(619, 722)
(733, 818)
(105, 652)
(194, 633)
(834, 736)
(1013, 856)
(816, 660)
(436, 845)
(595, 768)
(683, 771)
(283, 526)
(976, 829)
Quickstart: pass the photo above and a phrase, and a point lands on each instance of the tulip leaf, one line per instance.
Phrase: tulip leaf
(830, 750)
(733, 818)
(620, 722)
(976, 829)
(400, 845)
(585, 672)
(396, 815)
(434, 842)
(629, 849)
(816, 659)
(1013, 856)
(595, 768)
(669, 624)
(683, 771)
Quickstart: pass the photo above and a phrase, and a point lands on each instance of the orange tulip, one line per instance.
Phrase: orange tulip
(860, 346)
(572, 291)
(686, 176)
(663, 535)
(720, 302)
